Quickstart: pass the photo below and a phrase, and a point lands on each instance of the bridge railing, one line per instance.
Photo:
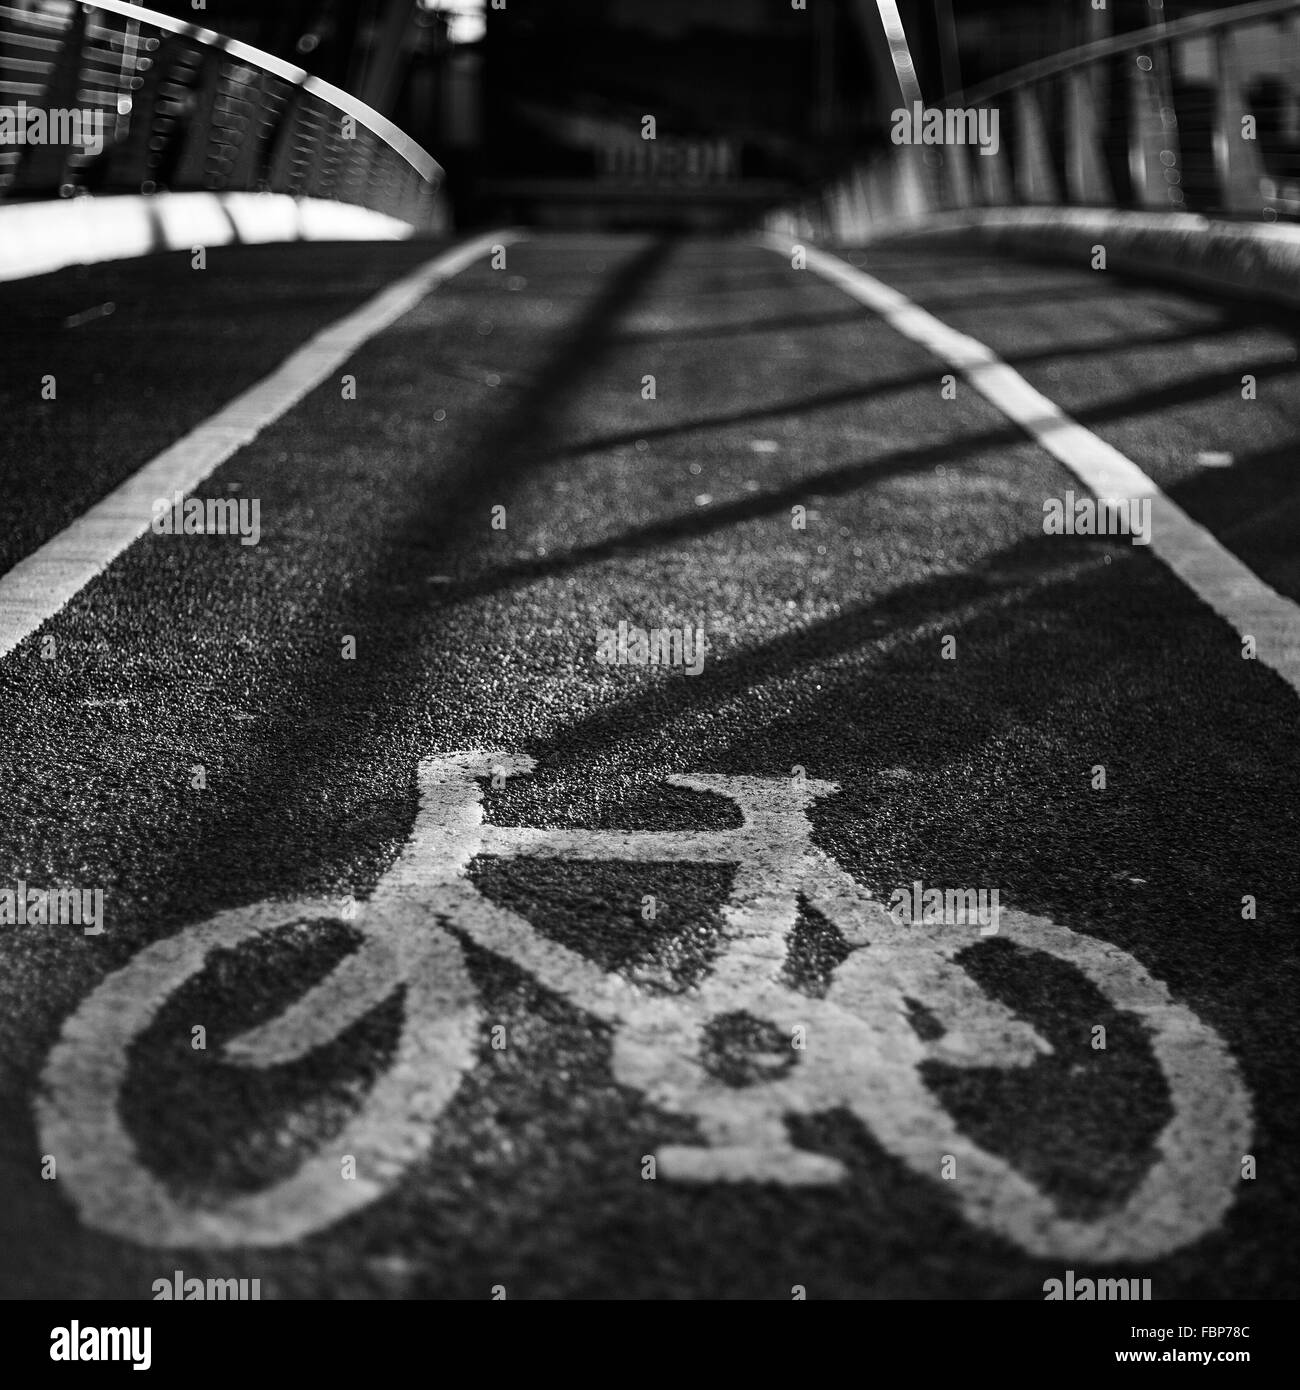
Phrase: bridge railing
(111, 97)
(1201, 114)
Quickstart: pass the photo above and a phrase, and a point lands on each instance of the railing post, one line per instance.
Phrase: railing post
(879, 191)
(282, 153)
(957, 176)
(133, 164)
(860, 201)
(1236, 160)
(911, 201)
(1153, 137)
(40, 164)
(1035, 179)
(994, 175)
(1288, 186)
(841, 210)
(193, 170)
(259, 96)
(1085, 164)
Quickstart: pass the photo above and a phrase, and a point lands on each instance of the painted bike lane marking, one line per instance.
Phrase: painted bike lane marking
(49, 578)
(1211, 571)
(859, 1049)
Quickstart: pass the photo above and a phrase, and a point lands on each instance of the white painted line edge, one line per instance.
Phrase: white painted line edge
(1212, 572)
(49, 578)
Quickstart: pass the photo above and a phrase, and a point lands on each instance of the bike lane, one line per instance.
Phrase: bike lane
(825, 651)
(103, 366)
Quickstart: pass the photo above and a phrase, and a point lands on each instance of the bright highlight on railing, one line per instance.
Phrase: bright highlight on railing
(114, 98)
(899, 52)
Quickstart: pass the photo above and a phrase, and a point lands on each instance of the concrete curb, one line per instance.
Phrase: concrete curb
(40, 237)
(1259, 261)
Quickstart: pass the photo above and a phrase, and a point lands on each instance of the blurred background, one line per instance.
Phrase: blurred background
(534, 109)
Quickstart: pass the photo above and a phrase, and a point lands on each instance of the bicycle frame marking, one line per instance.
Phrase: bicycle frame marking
(861, 1051)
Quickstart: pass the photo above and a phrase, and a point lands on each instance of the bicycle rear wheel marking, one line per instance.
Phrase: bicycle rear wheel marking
(79, 1118)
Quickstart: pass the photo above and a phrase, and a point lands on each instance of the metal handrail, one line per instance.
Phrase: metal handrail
(1091, 127)
(146, 102)
(397, 139)
(1190, 27)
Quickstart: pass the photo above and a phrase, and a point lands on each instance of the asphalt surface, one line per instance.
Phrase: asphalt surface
(522, 388)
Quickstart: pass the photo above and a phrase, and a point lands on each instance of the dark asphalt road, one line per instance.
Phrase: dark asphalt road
(523, 388)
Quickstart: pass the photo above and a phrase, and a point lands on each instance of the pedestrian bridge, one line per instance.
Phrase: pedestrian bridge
(113, 101)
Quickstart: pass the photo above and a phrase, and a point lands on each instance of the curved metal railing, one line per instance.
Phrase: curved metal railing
(110, 97)
(1201, 114)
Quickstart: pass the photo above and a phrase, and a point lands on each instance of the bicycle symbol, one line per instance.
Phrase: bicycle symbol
(861, 1051)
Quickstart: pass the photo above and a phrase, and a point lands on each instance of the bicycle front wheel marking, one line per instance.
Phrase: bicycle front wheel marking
(1188, 1188)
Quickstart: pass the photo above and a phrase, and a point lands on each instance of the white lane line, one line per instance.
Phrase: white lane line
(1212, 572)
(40, 585)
